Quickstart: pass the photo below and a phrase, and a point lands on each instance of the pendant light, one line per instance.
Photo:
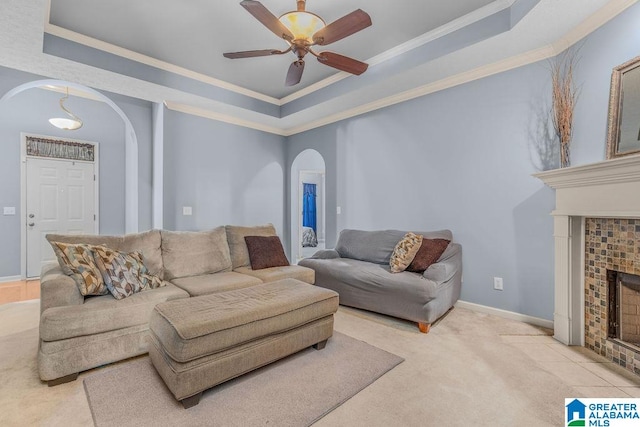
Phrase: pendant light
(65, 123)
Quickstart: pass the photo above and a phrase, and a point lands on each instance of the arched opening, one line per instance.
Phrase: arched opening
(131, 143)
(308, 204)
(26, 110)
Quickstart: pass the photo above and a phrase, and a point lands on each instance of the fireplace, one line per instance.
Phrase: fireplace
(596, 230)
(611, 289)
(624, 307)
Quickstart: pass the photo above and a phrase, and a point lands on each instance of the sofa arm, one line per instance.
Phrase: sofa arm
(326, 254)
(57, 289)
(448, 264)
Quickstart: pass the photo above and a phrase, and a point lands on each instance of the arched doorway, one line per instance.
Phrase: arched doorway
(15, 104)
(308, 204)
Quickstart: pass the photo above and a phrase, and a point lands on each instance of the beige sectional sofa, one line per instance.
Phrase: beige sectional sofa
(79, 333)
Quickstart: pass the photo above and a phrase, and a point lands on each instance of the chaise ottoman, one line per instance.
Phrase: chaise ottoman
(200, 342)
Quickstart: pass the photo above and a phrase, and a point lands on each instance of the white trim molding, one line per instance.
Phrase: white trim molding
(8, 279)
(595, 190)
(286, 126)
(226, 118)
(505, 314)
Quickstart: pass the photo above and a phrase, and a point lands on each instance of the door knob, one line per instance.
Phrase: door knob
(31, 224)
(31, 215)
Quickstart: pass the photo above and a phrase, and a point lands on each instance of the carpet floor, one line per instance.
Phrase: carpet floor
(471, 369)
(295, 391)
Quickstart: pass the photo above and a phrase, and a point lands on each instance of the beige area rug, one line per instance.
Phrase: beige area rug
(295, 391)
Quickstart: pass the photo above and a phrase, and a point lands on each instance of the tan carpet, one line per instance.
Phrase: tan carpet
(471, 369)
(295, 391)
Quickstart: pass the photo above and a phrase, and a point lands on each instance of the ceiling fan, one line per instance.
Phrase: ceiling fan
(302, 30)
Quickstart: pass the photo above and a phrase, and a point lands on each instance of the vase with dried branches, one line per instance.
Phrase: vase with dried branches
(564, 96)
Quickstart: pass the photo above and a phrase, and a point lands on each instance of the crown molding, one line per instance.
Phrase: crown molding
(446, 83)
(595, 21)
(443, 30)
(456, 24)
(589, 25)
(153, 62)
(208, 114)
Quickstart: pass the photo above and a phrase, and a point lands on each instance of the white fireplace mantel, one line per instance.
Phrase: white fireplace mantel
(609, 189)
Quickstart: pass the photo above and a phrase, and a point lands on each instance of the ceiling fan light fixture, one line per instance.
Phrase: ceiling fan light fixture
(302, 24)
(72, 122)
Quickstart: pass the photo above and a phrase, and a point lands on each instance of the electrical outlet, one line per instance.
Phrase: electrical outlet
(497, 284)
(9, 210)
(338, 210)
(187, 210)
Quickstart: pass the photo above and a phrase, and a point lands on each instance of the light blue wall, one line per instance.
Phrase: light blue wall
(29, 112)
(463, 158)
(459, 159)
(613, 44)
(228, 174)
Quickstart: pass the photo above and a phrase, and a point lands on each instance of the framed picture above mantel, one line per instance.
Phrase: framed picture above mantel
(623, 136)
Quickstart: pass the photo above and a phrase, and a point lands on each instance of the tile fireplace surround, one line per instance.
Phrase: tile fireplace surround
(591, 200)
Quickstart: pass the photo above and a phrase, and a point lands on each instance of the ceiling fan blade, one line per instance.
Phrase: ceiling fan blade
(343, 63)
(252, 53)
(295, 73)
(343, 27)
(267, 19)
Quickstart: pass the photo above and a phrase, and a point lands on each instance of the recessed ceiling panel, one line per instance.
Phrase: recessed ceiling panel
(194, 34)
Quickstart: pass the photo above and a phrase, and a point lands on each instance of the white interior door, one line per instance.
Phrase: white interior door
(60, 198)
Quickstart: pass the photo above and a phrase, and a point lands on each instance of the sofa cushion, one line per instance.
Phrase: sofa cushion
(147, 242)
(277, 273)
(217, 282)
(80, 265)
(124, 273)
(189, 253)
(237, 245)
(429, 252)
(104, 313)
(404, 252)
(265, 252)
(374, 284)
(371, 246)
(377, 246)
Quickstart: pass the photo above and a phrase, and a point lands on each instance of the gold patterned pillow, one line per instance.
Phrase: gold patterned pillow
(123, 273)
(404, 252)
(81, 267)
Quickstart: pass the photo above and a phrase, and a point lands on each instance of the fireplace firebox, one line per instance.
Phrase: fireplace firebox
(624, 307)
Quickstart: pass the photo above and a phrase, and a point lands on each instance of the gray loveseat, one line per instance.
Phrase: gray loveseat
(79, 333)
(358, 269)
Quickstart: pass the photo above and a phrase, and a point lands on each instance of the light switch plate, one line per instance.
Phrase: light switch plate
(187, 210)
(11, 210)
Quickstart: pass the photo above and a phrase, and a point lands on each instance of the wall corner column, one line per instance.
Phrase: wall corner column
(562, 330)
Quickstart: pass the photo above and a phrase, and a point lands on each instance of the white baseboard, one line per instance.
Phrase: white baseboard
(506, 314)
(10, 279)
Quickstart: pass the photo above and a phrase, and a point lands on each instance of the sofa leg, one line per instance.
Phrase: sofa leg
(320, 345)
(62, 380)
(191, 401)
(424, 327)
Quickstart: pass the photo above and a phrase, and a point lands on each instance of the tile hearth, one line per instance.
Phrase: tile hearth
(610, 245)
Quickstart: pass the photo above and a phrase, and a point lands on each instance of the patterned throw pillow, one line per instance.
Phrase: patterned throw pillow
(404, 252)
(430, 251)
(82, 268)
(124, 274)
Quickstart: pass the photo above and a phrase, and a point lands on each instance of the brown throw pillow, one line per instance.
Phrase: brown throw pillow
(404, 252)
(430, 252)
(265, 252)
